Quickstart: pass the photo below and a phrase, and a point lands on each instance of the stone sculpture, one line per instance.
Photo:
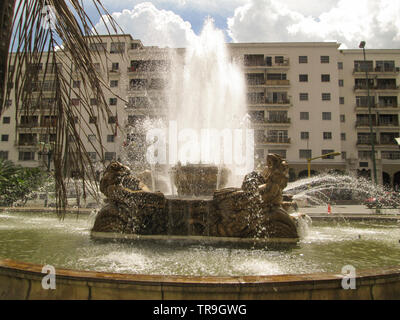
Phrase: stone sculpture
(257, 209)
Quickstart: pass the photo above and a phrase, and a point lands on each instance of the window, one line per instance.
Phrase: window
(303, 59)
(76, 84)
(92, 156)
(304, 116)
(303, 77)
(341, 83)
(327, 151)
(344, 155)
(325, 77)
(115, 66)
(326, 97)
(303, 96)
(100, 47)
(326, 116)
(341, 100)
(342, 118)
(112, 119)
(92, 137)
(3, 155)
(113, 101)
(279, 59)
(117, 47)
(305, 154)
(109, 156)
(114, 83)
(8, 103)
(4, 137)
(26, 156)
(93, 102)
(75, 102)
(327, 135)
(340, 65)
(324, 59)
(110, 138)
(92, 119)
(343, 136)
(304, 135)
(6, 120)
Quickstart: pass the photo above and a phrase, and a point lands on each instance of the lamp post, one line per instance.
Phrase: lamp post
(320, 157)
(362, 46)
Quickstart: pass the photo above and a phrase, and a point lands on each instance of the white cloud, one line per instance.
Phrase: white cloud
(153, 26)
(375, 21)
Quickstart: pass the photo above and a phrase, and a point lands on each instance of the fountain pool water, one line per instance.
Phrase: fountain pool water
(328, 246)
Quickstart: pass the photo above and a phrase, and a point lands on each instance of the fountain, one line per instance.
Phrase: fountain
(214, 201)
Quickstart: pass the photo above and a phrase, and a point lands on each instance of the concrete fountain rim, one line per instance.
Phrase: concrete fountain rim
(97, 276)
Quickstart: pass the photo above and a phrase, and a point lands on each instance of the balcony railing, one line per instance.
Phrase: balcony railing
(278, 120)
(387, 69)
(277, 101)
(278, 82)
(273, 140)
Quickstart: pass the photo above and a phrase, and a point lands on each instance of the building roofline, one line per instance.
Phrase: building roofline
(286, 44)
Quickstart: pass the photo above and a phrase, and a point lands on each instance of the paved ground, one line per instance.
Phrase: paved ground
(347, 210)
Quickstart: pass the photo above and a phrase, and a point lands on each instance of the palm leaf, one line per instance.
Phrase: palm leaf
(32, 44)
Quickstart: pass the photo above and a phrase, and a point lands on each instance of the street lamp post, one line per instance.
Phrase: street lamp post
(362, 46)
(320, 157)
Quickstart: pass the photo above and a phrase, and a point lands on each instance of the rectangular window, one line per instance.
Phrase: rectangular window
(342, 118)
(340, 65)
(305, 154)
(341, 83)
(344, 155)
(326, 97)
(92, 137)
(343, 136)
(6, 120)
(115, 66)
(75, 101)
(303, 59)
(114, 83)
(112, 119)
(303, 96)
(304, 116)
(92, 119)
(303, 77)
(92, 156)
(279, 59)
(304, 135)
(327, 151)
(113, 101)
(4, 137)
(110, 138)
(93, 102)
(325, 77)
(327, 135)
(324, 59)
(326, 115)
(341, 100)
(109, 156)
(76, 84)
(117, 47)
(3, 155)
(26, 156)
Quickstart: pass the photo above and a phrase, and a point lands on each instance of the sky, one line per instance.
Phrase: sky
(172, 23)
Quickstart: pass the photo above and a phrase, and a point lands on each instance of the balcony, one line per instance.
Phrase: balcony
(278, 83)
(272, 140)
(366, 142)
(277, 101)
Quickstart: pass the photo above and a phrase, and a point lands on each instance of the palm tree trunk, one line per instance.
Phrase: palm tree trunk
(6, 20)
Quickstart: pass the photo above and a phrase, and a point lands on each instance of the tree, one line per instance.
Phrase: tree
(26, 33)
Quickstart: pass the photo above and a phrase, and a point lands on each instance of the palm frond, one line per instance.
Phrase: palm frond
(34, 45)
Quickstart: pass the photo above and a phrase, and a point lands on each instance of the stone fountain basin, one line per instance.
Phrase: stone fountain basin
(19, 280)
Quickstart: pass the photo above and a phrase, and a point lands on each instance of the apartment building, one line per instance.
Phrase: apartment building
(304, 100)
